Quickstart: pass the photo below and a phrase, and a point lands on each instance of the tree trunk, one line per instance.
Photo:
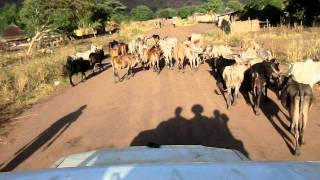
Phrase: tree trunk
(35, 37)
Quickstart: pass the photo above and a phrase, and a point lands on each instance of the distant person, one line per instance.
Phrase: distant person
(156, 24)
(173, 22)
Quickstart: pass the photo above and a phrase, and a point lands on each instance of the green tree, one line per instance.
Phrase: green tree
(105, 9)
(235, 5)
(142, 13)
(8, 15)
(166, 13)
(213, 6)
(299, 10)
(186, 11)
(41, 17)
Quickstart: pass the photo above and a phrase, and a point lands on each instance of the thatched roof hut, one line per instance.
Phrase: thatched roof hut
(13, 32)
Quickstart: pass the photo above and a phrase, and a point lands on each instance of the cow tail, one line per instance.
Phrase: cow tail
(301, 93)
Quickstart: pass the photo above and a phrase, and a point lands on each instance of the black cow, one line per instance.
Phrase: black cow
(97, 58)
(297, 98)
(113, 44)
(261, 76)
(218, 66)
(76, 65)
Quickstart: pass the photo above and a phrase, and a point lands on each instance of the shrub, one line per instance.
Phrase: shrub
(141, 13)
(166, 13)
(184, 12)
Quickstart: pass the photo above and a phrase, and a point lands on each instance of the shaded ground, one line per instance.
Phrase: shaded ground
(170, 108)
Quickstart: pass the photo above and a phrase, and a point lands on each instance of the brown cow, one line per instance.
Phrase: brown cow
(179, 54)
(127, 61)
(123, 48)
(154, 55)
(114, 52)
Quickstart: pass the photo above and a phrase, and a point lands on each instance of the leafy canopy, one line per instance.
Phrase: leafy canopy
(142, 13)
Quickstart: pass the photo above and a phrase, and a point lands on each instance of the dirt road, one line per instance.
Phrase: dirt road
(170, 108)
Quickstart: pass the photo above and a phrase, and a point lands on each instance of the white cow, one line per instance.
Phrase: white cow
(307, 72)
(85, 55)
(167, 45)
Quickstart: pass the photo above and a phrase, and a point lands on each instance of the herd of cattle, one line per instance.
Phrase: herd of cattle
(251, 66)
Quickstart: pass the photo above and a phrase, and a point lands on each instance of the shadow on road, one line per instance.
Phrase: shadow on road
(47, 137)
(199, 130)
(271, 110)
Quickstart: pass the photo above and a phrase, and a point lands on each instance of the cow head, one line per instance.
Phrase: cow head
(272, 70)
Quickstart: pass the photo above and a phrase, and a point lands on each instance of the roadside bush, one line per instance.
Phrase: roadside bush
(166, 13)
(184, 12)
(141, 13)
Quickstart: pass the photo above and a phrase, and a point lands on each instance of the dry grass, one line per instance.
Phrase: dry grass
(287, 44)
(185, 22)
(290, 44)
(131, 30)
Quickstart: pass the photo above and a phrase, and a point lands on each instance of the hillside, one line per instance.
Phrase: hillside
(158, 4)
(153, 4)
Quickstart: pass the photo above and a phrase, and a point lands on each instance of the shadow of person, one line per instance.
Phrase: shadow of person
(47, 136)
(171, 132)
(199, 130)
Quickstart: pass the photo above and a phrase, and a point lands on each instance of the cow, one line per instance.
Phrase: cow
(179, 54)
(261, 76)
(154, 56)
(96, 58)
(297, 98)
(127, 61)
(85, 55)
(123, 48)
(151, 41)
(192, 55)
(306, 72)
(233, 76)
(113, 44)
(114, 52)
(167, 44)
(75, 65)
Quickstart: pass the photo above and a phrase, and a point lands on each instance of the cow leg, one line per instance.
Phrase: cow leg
(257, 102)
(70, 79)
(127, 76)
(305, 116)
(235, 96)
(228, 97)
(294, 111)
(84, 75)
(116, 75)
(167, 62)
(295, 123)
(266, 93)
(158, 67)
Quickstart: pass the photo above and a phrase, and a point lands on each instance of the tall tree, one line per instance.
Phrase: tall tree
(142, 13)
(213, 6)
(104, 9)
(235, 5)
(303, 10)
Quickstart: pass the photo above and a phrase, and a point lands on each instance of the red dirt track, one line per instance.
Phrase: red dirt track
(169, 108)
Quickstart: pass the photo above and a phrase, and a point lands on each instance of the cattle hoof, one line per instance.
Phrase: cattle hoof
(297, 152)
(257, 113)
(233, 104)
